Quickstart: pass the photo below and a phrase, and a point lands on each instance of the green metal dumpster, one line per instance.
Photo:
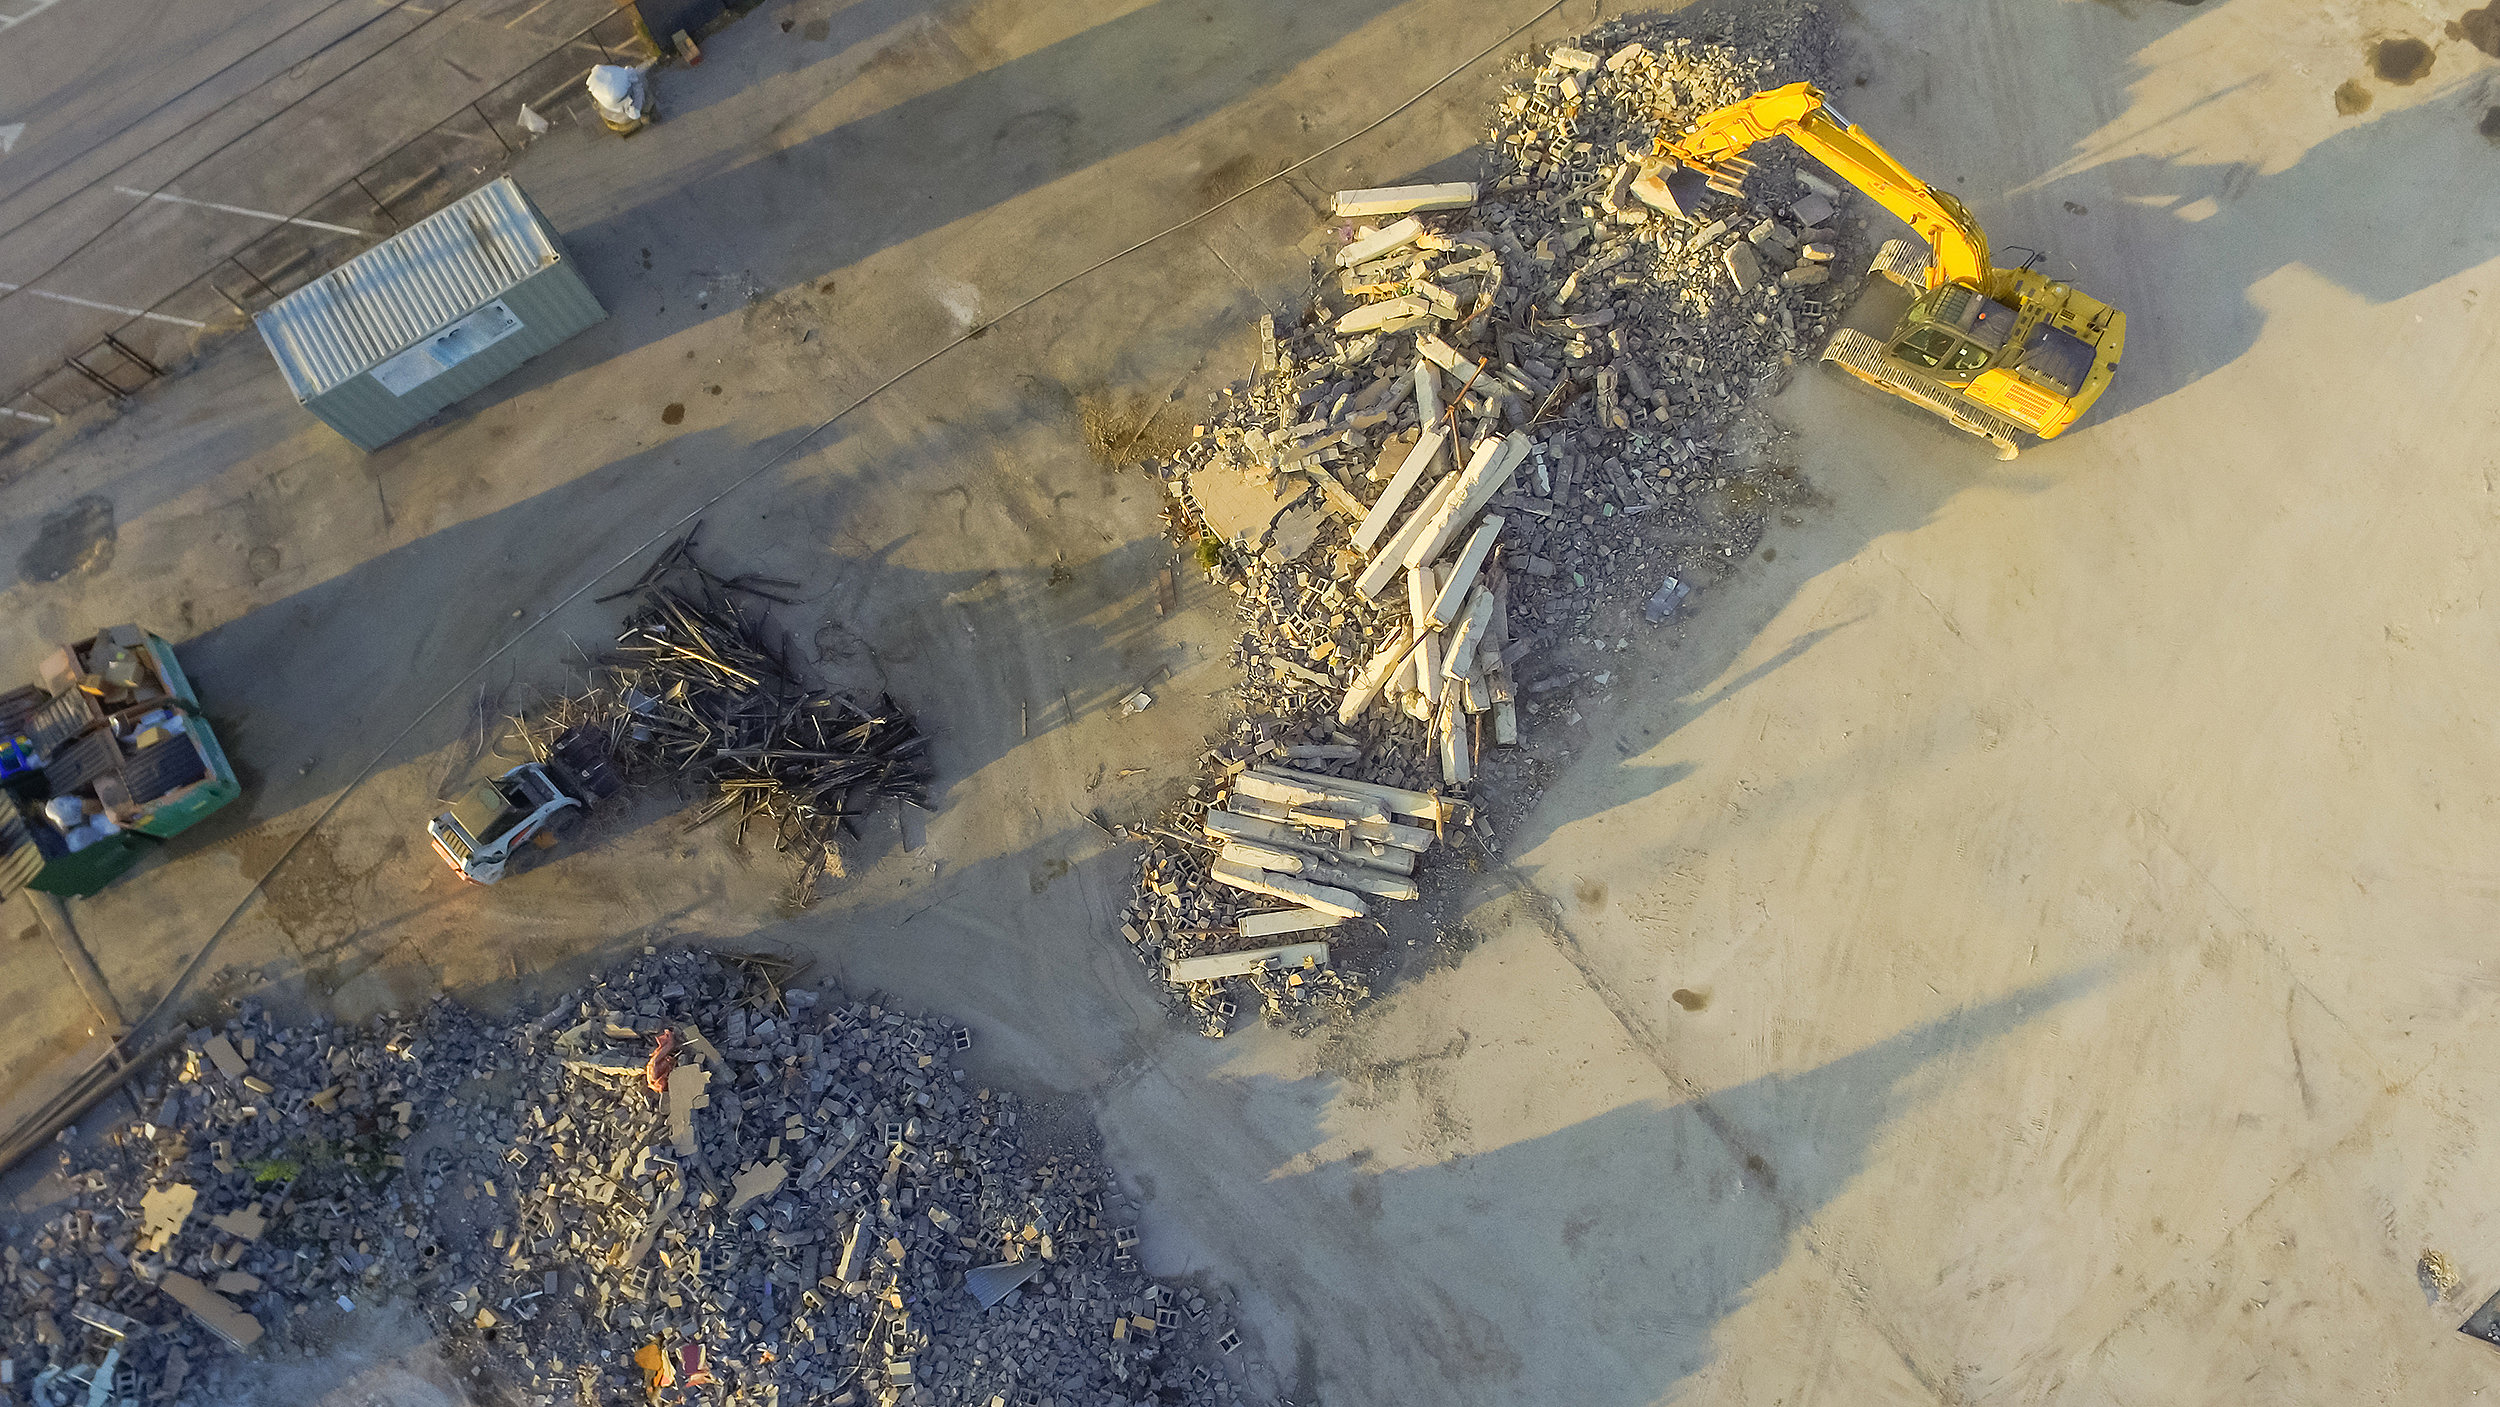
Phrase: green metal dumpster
(79, 874)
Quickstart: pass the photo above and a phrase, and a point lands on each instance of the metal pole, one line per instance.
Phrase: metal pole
(116, 392)
(144, 364)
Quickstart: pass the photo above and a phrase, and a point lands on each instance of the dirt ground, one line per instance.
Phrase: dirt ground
(2023, 941)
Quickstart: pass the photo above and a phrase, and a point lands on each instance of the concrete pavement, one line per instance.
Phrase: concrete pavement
(2022, 942)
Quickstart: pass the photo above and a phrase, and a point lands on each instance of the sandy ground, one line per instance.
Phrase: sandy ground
(2022, 943)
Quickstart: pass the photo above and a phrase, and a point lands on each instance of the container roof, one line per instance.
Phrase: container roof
(406, 289)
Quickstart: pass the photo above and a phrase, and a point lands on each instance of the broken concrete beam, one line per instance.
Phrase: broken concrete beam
(1322, 752)
(1744, 267)
(1263, 857)
(1372, 246)
(1456, 767)
(1817, 184)
(1468, 635)
(1422, 805)
(1269, 925)
(222, 1052)
(1390, 833)
(1358, 881)
(1324, 793)
(1325, 898)
(1421, 584)
(1505, 723)
(1462, 576)
(1398, 200)
(1410, 472)
(1373, 317)
(1487, 474)
(1279, 812)
(1374, 675)
(1475, 693)
(1575, 60)
(1392, 556)
(1214, 967)
(1813, 210)
(215, 1312)
(1228, 827)
(1806, 276)
(1348, 850)
(1427, 393)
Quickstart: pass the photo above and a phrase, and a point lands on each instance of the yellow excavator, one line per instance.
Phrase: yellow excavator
(1998, 352)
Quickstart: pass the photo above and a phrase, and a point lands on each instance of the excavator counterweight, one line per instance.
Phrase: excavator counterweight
(1996, 352)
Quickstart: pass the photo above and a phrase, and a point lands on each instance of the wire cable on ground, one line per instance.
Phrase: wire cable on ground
(42, 1125)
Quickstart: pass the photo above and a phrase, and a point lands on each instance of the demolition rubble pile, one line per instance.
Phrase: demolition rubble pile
(694, 688)
(1204, 913)
(687, 1184)
(1514, 412)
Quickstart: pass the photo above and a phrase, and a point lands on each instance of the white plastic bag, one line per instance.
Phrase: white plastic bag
(622, 95)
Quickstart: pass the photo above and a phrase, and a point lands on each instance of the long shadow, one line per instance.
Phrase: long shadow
(2384, 208)
(1591, 1264)
(952, 152)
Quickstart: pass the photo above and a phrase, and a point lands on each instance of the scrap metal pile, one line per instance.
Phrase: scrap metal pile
(693, 687)
(1514, 417)
(688, 1183)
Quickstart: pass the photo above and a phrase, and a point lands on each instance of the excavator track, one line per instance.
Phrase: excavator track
(1863, 357)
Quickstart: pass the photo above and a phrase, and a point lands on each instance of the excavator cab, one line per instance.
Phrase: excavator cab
(1951, 334)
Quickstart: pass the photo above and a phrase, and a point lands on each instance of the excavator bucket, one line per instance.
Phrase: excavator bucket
(1667, 184)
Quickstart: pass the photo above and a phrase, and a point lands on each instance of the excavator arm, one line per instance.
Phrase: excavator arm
(1716, 148)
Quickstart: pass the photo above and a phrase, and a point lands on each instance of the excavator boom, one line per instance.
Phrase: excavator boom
(1994, 351)
(1717, 145)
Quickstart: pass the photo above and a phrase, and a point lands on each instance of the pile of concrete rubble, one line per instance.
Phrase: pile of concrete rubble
(689, 1183)
(1513, 415)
